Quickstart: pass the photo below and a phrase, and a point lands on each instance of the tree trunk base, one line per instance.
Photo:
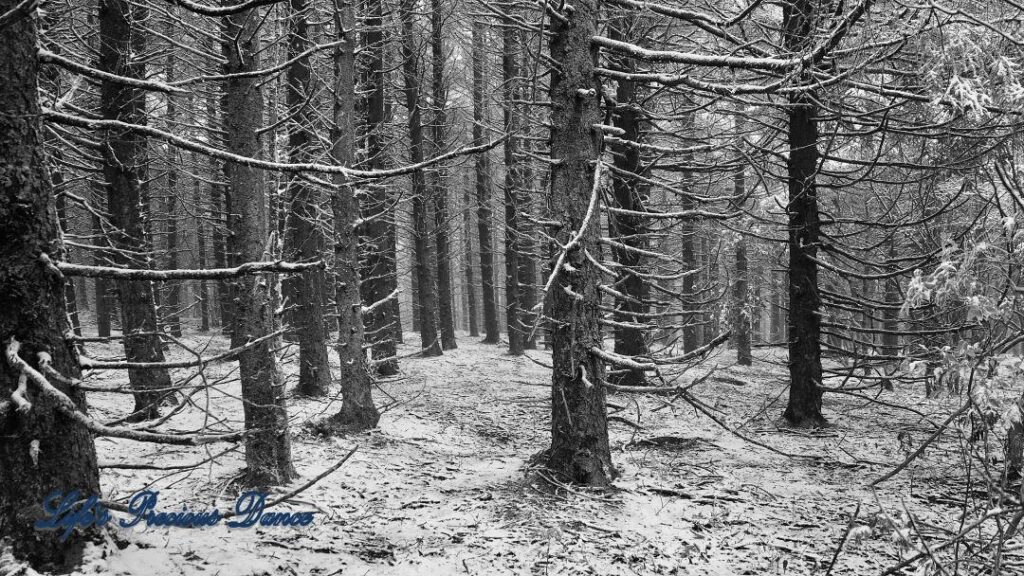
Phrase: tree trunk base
(579, 468)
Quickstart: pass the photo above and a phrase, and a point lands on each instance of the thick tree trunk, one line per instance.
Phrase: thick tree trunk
(804, 408)
(482, 165)
(124, 170)
(579, 450)
(629, 229)
(42, 450)
(357, 410)
(445, 315)
(423, 247)
(304, 293)
(513, 182)
(268, 446)
(378, 269)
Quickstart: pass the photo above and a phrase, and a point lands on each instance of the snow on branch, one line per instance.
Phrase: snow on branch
(68, 408)
(185, 274)
(92, 364)
(194, 146)
(79, 68)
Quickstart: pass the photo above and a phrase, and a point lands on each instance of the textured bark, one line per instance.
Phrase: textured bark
(482, 165)
(423, 247)
(513, 182)
(304, 293)
(268, 446)
(579, 450)
(630, 194)
(439, 194)
(691, 316)
(124, 169)
(201, 287)
(32, 300)
(470, 287)
(357, 410)
(804, 407)
(173, 287)
(741, 318)
(378, 273)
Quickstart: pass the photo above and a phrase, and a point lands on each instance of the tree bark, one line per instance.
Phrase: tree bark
(513, 181)
(630, 230)
(467, 231)
(268, 446)
(579, 449)
(304, 240)
(445, 315)
(32, 300)
(423, 247)
(357, 410)
(741, 315)
(378, 271)
(125, 165)
(482, 165)
(804, 408)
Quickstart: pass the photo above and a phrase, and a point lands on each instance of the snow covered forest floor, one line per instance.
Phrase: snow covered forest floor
(442, 487)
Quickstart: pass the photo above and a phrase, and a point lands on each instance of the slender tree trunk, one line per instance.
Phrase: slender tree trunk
(741, 309)
(357, 410)
(173, 300)
(204, 301)
(579, 427)
(268, 446)
(378, 272)
(484, 193)
(467, 227)
(691, 316)
(70, 297)
(513, 182)
(304, 241)
(629, 229)
(424, 253)
(42, 449)
(804, 408)
(101, 286)
(124, 169)
(445, 315)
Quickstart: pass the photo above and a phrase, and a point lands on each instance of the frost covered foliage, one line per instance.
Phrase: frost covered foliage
(974, 72)
(976, 279)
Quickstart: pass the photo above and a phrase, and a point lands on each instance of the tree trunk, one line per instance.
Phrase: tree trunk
(124, 169)
(741, 315)
(804, 408)
(304, 241)
(467, 228)
(691, 316)
(423, 247)
(268, 446)
(628, 229)
(378, 270)
(173, 287)
(445, 315)
(357, 410)
(579, 450)
(42, 450)
(201, 287)
(513, 182)
(482, 164)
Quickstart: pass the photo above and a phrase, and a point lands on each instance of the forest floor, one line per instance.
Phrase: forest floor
(442, 486)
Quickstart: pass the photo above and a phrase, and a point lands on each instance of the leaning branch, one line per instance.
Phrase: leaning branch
(68, 408)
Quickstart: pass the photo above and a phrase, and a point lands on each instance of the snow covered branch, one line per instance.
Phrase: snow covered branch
(185, 274)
